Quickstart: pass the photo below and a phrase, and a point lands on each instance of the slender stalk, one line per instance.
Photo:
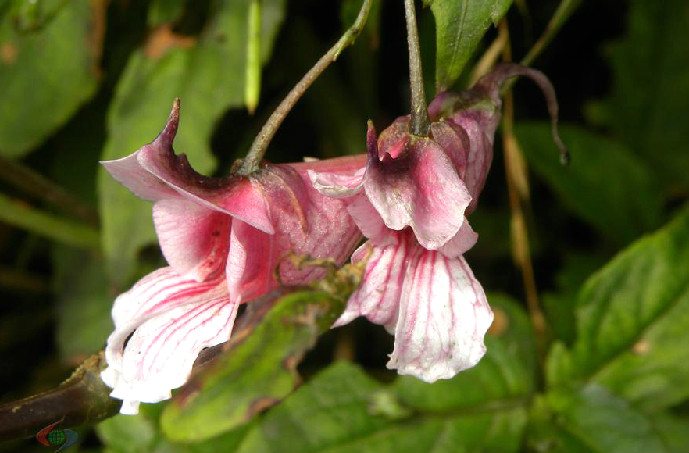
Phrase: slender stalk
(564, 10)
(420, 122)
(260, 145)
(517, 186)
(38, 186)
(62, 230)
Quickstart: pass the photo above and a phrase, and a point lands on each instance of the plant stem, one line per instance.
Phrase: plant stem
(48, 225)
(40, 187)
(260, 145)
(564, 10)
(517, 187)
(420, 123)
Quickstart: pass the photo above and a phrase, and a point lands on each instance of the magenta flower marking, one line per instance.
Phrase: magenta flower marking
(223, 239)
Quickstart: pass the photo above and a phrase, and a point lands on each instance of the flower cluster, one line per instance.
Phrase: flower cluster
(223, 238)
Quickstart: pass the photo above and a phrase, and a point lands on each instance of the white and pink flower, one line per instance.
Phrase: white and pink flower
(411, 202)
(223, 239)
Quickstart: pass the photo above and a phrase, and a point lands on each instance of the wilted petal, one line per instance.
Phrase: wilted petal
(421, 190)
(193, 238)
(443, 317)
(161, 325)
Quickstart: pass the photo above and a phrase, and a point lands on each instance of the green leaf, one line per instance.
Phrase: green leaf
(48, 68)
(673, 431)
(632, 317)
(605, 184)
(84, 302)
(343, 410)
(591, 420)
(229, 393)
(460, 25)
(338, 410)
(128, 433)
(649, 105)
(208, 76)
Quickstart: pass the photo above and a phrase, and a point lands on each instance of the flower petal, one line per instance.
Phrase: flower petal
(161, 325)
(369, 221)
(422, 190)
(128, 172)
(337, 183)
(465, 239)
(443, 317)
(381, 288)
(479, 155)
(250, 262)
(193, 238)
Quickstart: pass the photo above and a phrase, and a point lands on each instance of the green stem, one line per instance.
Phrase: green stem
(260, 145)
(19, 214)
(420, 122)
(556, 22)
(39, 187)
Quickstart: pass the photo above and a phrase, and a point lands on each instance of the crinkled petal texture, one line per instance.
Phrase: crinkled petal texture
(432, 303)
(443, 317)
(419, 188)
(161, 325)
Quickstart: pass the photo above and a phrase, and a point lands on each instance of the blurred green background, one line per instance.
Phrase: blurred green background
(89, 80)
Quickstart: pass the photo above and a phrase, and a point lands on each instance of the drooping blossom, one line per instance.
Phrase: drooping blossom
(223, 239)
(410, 202)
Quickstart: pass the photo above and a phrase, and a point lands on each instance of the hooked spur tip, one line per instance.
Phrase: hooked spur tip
(564, 157)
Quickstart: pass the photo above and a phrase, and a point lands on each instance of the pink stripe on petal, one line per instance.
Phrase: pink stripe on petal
(443, 318)
(172, 319)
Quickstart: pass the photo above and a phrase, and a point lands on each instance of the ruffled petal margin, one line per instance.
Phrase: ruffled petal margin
(443, 317)
(161, 325)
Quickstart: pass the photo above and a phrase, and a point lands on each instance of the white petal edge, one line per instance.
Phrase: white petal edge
(443, 318)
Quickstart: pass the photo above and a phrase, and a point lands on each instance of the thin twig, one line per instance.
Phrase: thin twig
(260, 145)
(514, 173)
(38, 186)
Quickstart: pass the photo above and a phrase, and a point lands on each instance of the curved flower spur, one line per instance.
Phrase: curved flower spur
(410, 202)
(222, 239)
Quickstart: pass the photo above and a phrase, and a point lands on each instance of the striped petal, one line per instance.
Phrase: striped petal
(381, 288)
(443, 317)
(193, 239)
(161, 325)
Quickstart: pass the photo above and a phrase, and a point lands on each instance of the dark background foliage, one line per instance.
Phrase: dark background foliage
(621, 72)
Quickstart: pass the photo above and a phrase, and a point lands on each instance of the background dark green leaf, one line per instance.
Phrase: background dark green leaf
(48, 68)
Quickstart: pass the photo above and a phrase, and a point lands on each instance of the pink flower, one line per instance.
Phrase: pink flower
(222, 239)
(410, 202)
